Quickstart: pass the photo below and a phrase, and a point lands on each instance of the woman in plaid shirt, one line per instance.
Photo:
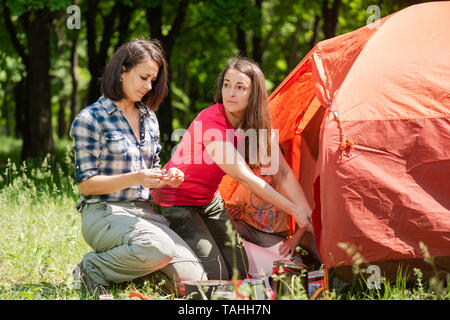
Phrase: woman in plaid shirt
(116, 143)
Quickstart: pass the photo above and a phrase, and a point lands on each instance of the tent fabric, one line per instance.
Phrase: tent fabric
(375, 146)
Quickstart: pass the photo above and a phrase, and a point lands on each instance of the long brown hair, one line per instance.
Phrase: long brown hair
(127, 57)
(257, 113)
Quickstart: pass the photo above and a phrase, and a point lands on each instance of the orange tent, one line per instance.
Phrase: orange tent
(364, 122)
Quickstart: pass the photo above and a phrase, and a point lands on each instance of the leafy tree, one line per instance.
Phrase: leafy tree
(109, 17)
(11, 72)
(330, 11)
(34, 20)
(48, 71)
(167, 32)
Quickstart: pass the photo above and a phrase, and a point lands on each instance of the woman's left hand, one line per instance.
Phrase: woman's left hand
(174, 178)
(287, 248)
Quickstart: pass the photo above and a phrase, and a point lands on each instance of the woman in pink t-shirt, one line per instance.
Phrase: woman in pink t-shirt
(229, 137)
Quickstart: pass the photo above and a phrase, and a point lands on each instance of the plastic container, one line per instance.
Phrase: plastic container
(315, 281)
(287, 269)
(202, 290)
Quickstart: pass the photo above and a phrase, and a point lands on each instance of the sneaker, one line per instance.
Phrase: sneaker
(81, 278)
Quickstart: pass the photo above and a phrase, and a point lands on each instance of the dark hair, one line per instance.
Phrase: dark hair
(127, 57)
(257, 113)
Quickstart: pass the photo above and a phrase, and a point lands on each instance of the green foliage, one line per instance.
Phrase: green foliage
(208, 38)
(407, 286)
(19, 7)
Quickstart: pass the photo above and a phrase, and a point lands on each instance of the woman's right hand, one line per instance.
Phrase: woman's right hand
(302, 217)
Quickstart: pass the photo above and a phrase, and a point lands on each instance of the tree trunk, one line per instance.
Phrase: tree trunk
(33, 104)
(126, 14)
(98, 58)
(330, 17)
(257, 36)
(241, 41)
(5, 109)
(154, 20)
(20, 89)
(62, 99)
(61, 117)
(313, 41)
(165, 117)
(74, 97)
(154, 14)
(38, 118)
(93, 91)
(21, 99)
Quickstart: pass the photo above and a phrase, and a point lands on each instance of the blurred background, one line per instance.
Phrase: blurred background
(52, 53)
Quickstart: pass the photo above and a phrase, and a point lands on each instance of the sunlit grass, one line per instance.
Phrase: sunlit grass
(41, 242)
(40, 238)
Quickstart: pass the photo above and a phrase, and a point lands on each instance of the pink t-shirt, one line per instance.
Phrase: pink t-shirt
(202, 175)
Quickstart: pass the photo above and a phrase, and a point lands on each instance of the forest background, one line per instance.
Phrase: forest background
(52, 53)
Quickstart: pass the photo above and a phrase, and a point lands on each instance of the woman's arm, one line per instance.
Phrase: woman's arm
(101, 184)
(233, 164)
(289, 185)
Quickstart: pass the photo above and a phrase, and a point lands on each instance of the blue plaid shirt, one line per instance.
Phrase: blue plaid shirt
(105, 144)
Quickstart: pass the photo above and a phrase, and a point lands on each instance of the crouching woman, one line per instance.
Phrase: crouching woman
(117, 164)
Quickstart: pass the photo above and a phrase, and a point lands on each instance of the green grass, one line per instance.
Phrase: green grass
(41, 242)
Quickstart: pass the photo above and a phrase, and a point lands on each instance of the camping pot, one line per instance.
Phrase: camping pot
(262, 288)
(287, 266)
(284, 271)
(202, 290)
(223, 295)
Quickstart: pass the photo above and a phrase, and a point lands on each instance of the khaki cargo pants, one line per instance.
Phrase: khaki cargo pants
(204, 228)
(131, 241)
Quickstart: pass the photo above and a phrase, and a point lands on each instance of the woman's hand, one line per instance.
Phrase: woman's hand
(287, 248)
(302, 217)
(151, 178)
(174, 177)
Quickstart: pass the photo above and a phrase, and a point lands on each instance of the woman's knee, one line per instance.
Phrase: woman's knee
(154, 250)
(185, 271)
